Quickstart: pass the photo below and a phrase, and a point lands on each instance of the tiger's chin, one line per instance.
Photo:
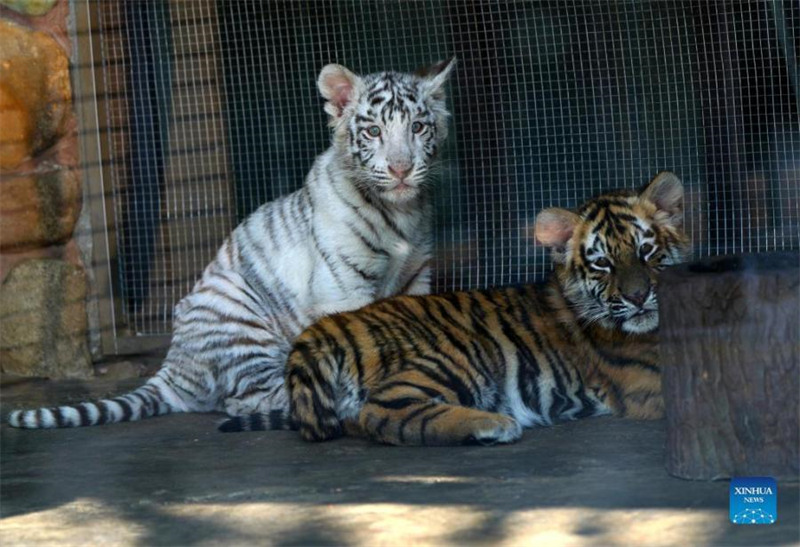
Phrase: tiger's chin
(400, 193)
(643, 322)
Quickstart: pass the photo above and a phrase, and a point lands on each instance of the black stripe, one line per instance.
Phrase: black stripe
(228, 297)
(478, 315)
(267, 227)
(179, 373)
(563, 403)
(624, 362)
(127, 411)
(311, 376)
(525, 359)
(232, 425)
(411, 415)
(386, 344)
(448, 378)
(341, 322)
(396, 404)
(285, 224)
(154, 395)
(380, 208)
(105, 412)
(363, 274)
(83, 411)
(413, 278)
(430, 392)
(556, 365)
(366, 242)
(593, 210)
(423, 425)
(588, 405)
(276, 419)
(481, 360)
(381, 426)
(320, 411)
(189, 395)
(408, 321)
(328, 262)
(457, 344)
(60, 419)
(255, 422)
(454, 299)
(146, 409)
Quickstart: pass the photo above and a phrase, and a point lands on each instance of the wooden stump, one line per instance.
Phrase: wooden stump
(729, 338)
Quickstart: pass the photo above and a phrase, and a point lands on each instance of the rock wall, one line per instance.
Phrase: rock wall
(43, 326)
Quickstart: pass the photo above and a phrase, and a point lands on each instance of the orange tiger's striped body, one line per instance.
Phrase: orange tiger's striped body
(446, 369)
(479, 366)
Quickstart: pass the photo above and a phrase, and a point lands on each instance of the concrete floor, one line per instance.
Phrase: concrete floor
(176, 481)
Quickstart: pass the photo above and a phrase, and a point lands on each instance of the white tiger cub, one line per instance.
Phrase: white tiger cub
(360, 229)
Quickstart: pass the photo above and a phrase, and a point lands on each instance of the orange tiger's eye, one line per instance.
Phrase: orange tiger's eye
(602, 262)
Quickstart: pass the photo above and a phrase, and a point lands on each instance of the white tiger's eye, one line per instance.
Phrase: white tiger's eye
(374, 131)
(417, 127)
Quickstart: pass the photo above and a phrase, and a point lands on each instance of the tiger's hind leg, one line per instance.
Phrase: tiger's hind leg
(409, 409)
(407, 422)
(265, 397)
(255, 378)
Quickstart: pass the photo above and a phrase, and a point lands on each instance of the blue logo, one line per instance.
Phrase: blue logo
(753, 500)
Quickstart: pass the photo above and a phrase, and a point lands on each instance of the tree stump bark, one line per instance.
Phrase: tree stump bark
(729, 343)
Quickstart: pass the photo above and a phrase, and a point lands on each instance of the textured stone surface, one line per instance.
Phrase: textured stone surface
(39, 209)
(68, 252)
(30, 7)
(177, 481)
(34, 77)
(17, 124)
(43, 325)
(54, 23)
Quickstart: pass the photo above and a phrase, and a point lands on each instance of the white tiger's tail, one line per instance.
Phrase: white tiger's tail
(275, 419)
(155, 398)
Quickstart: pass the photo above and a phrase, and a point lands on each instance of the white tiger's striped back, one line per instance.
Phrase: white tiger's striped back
(358, 230)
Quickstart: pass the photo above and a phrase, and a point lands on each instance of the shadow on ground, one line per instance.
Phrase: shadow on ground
(176, 481)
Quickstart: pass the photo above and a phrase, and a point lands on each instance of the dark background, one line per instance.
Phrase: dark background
(552, 102)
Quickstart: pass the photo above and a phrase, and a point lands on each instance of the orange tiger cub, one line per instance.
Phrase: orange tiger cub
(479, 366)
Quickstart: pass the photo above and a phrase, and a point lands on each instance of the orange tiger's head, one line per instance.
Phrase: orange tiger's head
(609, 251)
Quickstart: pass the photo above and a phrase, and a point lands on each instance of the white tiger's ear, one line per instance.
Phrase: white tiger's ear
(338, 85)
(436, 76)
(665, 191)
(554, 228)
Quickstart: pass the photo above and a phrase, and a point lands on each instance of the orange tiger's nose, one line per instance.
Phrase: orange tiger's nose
(637, 298)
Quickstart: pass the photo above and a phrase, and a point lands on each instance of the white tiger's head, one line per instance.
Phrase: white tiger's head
(387, 126)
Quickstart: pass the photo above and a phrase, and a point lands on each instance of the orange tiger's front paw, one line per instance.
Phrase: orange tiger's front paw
(496, 430)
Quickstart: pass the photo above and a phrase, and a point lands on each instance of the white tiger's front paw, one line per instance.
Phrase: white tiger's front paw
(253, 404)
(256, 403)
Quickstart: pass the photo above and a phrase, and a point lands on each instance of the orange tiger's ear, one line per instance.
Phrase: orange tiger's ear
(665, 191)
(554, 226)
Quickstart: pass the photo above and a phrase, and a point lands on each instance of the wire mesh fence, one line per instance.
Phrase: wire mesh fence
(213, 110)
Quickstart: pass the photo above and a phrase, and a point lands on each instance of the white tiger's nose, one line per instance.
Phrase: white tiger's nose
(400, 171)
